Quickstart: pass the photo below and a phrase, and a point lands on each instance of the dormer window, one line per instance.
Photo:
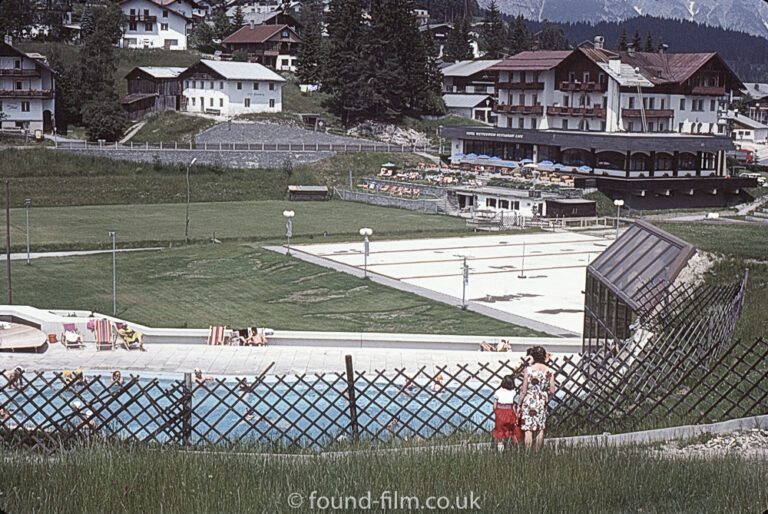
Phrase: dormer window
(285, 33)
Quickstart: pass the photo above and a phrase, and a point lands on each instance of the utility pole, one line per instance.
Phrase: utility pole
(114, 275)
(522, 266)
(8, 237)
(465, 283)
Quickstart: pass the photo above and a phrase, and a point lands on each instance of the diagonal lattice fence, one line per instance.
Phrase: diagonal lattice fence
(681, 366)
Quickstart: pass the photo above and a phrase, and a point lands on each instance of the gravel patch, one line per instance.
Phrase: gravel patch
(254, 132)
(747, 443)
(230, 159)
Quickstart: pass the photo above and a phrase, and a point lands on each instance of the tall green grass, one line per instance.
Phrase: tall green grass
(116, 479)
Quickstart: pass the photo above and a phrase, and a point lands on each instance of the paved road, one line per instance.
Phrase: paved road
(40, 255)
(258, 133)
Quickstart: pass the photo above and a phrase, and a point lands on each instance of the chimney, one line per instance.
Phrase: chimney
(8, 39)
(663, 48)
(614, 64)
(631, 49)
(598, 42)
(251, 23)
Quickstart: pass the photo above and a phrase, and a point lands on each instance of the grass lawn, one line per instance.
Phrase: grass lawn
(108, 479)
(171, 126)
(741, 246)
(86, 227)
(239, 286)
(57, 178)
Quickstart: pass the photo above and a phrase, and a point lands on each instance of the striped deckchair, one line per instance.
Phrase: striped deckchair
(68, 338)
(217, 336)
(105, 335)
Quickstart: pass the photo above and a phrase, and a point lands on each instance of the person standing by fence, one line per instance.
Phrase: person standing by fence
(507, 427)
(538, 387)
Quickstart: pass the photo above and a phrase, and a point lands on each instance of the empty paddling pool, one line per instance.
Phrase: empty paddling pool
(308, 411)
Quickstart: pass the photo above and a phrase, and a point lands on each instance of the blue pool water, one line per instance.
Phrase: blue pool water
(309, 412)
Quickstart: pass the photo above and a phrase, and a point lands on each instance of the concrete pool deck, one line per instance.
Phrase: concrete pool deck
(246, 361)
(534, 280)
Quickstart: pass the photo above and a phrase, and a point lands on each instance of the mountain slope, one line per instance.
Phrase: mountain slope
(749, 16)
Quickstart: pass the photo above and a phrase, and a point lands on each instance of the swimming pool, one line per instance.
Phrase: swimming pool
(301, 410)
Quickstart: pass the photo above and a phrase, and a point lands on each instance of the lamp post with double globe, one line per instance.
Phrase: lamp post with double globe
(288, 228)
(365, 232)
(618, 204)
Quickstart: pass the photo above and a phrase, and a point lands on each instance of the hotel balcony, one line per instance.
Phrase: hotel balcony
(582, 86)
(18, 72)
(520, 85)
(140, 18)
(708, 90)
(576, 111)
(538, 110)
(26, 93)
(649, 113)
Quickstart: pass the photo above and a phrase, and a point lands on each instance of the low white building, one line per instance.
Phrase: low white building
(157, 23)
(477, 107)
(230, 88)
(743, 128)
(27, 91)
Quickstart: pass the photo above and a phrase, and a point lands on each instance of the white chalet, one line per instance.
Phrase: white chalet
(27, 90)
(158, 23)
(230, 88)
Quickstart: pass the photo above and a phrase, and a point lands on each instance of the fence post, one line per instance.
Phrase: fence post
(351, 396)
(186, 410)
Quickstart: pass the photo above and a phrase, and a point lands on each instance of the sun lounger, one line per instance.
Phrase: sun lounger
(217, 336)
(485, 347)
(71, 337)
(105, 334)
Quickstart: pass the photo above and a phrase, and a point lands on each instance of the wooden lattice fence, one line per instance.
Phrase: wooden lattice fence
(681, 366)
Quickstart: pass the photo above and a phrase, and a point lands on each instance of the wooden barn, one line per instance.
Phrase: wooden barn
(152, 89)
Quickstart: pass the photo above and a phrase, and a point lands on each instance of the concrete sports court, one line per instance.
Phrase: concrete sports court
(539, 276)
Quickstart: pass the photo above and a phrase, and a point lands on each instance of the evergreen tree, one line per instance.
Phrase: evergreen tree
(431, 100)
(342, 77)
(221, 27)
(622, 45)
(492, 33)
(649, 47)
(201, 38)
(457, 44)
(519, 36)
(16, 16)
(636, 41)
(310, 58)
(238, 20)
(552, 37)
(660, 44)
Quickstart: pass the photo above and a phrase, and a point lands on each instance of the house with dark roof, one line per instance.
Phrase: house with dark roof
(276, 46)
(158, 23)
(27, 91)
(757, 108)
(152, 89)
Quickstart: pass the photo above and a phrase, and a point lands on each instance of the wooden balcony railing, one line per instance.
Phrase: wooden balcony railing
(141, 18)
(576, 111)
(520, 85)
(708, 90)
(582, 86)
(26, 93)
(519, 109)
(18, 72)
(649, 113)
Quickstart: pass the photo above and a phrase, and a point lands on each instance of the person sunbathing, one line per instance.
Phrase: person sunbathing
(130, 337)
(14, 378)
(258, 337)
(437, 386)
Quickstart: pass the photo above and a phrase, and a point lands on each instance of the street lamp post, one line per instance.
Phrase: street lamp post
(114, 275)
(618, 204)
(288, 228)
(186, 226)
(27, 203)
(465, 282)
(365, 232)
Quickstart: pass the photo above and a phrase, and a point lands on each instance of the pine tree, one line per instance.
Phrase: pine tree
(310, 59)
(238, 20)
(221, 27)
(552, 37)
(636, 41)
(457, 44)
(622, 45)
(492, 33)
(431, 100)
(649, 47)
(519, 36)
(342, 78)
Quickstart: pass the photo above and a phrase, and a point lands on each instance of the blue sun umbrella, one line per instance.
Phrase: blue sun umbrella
(471, 155)
(586, 169)
(483, 156)
(525, 161)
(388, 165)
(558, 166)
(546, 163)
(457, 155)
(494, 158)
